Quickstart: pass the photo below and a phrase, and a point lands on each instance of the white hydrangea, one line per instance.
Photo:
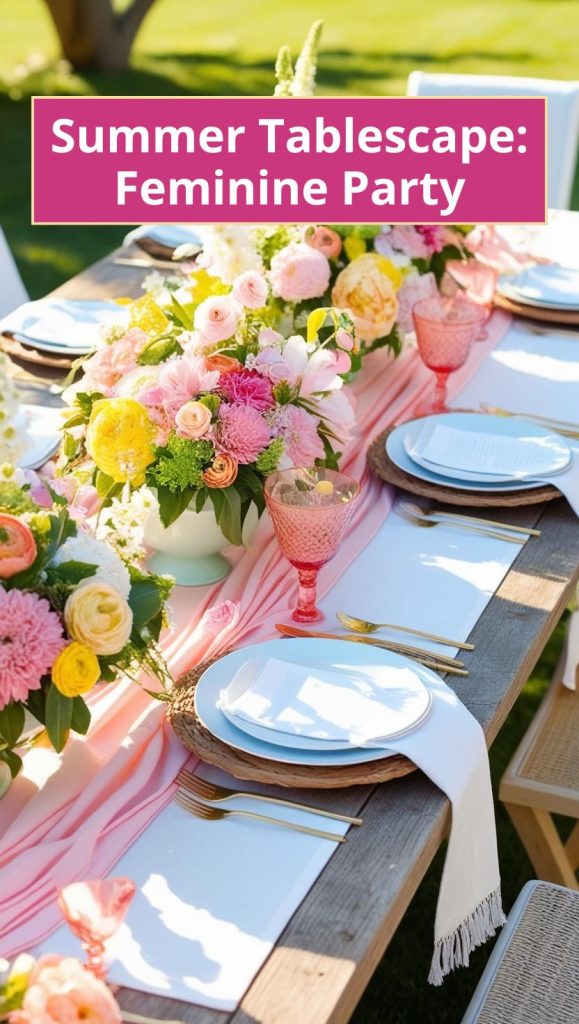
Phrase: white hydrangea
(110, 567)
(229, 250)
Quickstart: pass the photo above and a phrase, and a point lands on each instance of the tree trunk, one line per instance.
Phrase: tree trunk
(93, 35)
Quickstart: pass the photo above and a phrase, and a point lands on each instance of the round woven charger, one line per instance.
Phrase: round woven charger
(194, 735)
(21, 352)
(381, 463)
(549, 316)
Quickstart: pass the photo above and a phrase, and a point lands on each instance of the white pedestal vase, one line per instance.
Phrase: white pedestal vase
(190, 549)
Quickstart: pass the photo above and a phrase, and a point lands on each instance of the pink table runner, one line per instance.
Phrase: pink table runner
(75, 822)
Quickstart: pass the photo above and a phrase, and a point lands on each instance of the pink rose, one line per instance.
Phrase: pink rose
(217, 318)
(299, 272)
(220, 617)
(250, 289)
(61, 991)
(324, 240)
(193, 420)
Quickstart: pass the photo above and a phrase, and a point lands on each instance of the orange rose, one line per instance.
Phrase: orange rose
(17, 546)
(225, 364)
(222, 473)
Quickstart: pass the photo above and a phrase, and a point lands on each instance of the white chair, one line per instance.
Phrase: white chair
(562, 120)
(12, 290)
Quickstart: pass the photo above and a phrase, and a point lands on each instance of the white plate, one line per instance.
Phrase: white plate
(558, 455)
(70, 326)
(42, 424)
(543, 285)
(465, 421)
(297, 742)
(324, 653)
(51, 348)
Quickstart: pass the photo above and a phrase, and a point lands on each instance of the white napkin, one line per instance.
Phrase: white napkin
(74, 323)
(571, 669)
(449, 747)
(357, 708)
(488, 454)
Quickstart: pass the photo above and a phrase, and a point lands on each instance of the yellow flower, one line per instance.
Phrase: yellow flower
(146, 314)
(390, 269)
(119, 439)
(76, 670)
(95, 614)
(365, 289)
(354, 247)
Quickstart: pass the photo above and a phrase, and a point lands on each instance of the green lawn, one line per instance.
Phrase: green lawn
(369, 48)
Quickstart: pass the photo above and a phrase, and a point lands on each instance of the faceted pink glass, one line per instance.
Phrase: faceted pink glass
(94, 911)
(478, 282)
(310, 510)
(445, 331)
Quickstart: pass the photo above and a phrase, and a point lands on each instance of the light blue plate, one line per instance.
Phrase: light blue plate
(327, 653)
(472, 421)
(171, 235)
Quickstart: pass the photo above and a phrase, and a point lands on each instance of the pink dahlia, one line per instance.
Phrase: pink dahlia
(299, 272)
(247, 387)
(435, 236)
(30, 640)
(242, 432)
(299, 430)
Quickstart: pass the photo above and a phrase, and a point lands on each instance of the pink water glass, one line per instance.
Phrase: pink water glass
(94, 911)
(311, 510)
(478, 282)
(445, 331)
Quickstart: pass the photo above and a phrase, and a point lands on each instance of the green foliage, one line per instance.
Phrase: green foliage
(60, 528)
(69, 573)
(180, 465)
(80, 717)
(159, 349)
(267, 461)
(58, 717)
(14, 499)
(12, 994)
(11, 723)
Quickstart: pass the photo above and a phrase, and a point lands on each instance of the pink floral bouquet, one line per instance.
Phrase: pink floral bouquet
(72, 614)
(200, 397)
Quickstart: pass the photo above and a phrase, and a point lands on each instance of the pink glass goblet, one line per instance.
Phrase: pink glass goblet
(445, 332)
(94, 911)
(310, 510)
(478, 283)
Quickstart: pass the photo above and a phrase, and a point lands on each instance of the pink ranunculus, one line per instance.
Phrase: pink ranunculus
(242, 432)
(112, 362)
(324, 240)
(17, 546)
(96, 909)
(299, 430)
(247, 387)
(217, 318)
(62, 991)
(344, 339)
(250, 289)
(31, 639)
(299, 272)
(180, 380)
(220, 617)
(193, 420)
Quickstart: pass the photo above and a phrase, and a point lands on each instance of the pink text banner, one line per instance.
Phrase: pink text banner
(185, 159)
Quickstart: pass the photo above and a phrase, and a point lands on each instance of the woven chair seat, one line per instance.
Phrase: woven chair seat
(532, 976)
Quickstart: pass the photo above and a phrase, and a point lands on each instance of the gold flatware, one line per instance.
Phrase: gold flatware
(364, 626)
(417, 510)
(566, 427)
(429, 523)
(207, 813)
(136, 261)
(428, 658)
(137, 1018)
(210, 791)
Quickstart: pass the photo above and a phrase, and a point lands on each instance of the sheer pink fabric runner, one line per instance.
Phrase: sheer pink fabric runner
(72, 817)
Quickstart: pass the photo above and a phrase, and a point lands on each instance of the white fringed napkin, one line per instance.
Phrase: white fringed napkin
(449, 747)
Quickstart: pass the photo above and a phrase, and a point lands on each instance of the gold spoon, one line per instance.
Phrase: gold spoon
(364, 626)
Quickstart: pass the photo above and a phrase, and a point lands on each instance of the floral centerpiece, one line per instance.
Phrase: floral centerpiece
(72, 613)
(200, 398)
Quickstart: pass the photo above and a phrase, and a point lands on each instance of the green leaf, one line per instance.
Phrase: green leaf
(70, 446)
(85, 401)
(230, 518)
(200, 499)
(145, 601)
(181, 314)
(36, 704)
(58, 717)
(11, 722)
(103, 483)
(158, 350)
(14, 761)
(80, 718)
(69, 572)
(173, 503)
(158, 694)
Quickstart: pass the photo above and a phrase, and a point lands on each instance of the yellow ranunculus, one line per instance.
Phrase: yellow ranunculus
(95, 614)
(366, 290)
(76, 670)
(119, 439)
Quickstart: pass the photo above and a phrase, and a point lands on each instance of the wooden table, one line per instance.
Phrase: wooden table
(331, 947)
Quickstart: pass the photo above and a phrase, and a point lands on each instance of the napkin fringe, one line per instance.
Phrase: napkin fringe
(454, 950)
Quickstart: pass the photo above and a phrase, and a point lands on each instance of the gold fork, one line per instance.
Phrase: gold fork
(365, 626)
(422, 521)
(211, 791)
(527, 531)
(206, 813)
(564, 427)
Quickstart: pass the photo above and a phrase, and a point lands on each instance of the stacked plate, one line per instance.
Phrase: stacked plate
(475, 451)
(62, 327)
(40, 426)
(161, 240)
(545, 286)
(310, 702)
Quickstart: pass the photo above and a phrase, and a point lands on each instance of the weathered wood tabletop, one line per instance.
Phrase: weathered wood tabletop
(329, 950)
